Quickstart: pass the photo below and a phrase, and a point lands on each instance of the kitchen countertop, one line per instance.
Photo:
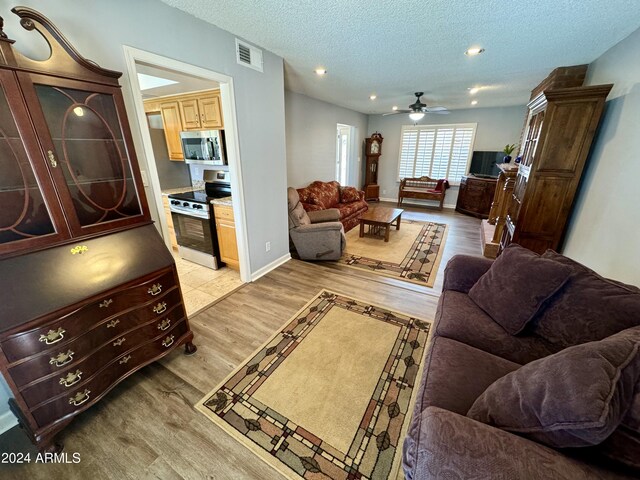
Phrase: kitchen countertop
(171, 191)
(226, 201)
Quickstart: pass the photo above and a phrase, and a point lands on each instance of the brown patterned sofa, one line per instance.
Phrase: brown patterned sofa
(469, 351)
(324, 195)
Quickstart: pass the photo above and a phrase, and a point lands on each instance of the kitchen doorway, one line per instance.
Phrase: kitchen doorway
(345, 153)
(157, 84)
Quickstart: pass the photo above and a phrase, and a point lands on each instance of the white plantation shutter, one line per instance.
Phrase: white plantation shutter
(437, 151)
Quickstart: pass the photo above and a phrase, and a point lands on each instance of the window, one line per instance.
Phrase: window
(437, 151)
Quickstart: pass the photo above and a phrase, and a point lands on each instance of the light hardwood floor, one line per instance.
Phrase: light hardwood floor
(147, 428)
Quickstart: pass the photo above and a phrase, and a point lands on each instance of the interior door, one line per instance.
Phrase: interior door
(84, 130)
(31, 215)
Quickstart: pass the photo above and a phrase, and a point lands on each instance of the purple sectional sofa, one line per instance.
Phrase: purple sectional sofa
(469, 351)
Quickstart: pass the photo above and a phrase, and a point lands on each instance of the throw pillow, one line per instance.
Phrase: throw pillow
(314, 199)
(515, 287)
(574, 398)
(589, 307)
(349, 194)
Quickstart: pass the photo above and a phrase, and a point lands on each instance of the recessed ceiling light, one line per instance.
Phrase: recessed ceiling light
(473, 51)
(474, 90)
(394, 108)
(320, 71)
(373, 97)
(474, 102)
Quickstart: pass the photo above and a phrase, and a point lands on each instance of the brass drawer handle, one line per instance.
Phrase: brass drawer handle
(62, 358)
(124, 359)
(155, 289)
(79, 249)
(119, 342)
(113, 323)
(52, 159)
(167, 342)
(79, 398)
(160, 308)
(164, 324)
(71, 378)
(106, 303)
(53, 336)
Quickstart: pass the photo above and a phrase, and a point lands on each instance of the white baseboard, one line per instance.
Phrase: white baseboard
(271, 266)
(406, 202)
(7, 421)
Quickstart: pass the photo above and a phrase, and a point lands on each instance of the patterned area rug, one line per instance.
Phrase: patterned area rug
(412, 253)
(329, 396)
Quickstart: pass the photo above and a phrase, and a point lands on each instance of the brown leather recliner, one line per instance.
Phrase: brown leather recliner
(315, 235)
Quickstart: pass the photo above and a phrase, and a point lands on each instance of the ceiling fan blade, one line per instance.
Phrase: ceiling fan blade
(397, 112)
(436, 109)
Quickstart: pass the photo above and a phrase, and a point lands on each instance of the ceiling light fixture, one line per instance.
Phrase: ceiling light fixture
(415, 116)
(473, 51)
(320, 71)
(78, 111)
(474, 90)
(394, 108)
(373, 97)
(474, 102)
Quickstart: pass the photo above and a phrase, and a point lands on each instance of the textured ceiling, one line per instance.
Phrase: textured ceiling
(394, 48)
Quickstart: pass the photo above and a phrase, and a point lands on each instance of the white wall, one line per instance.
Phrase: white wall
(311, 139)
(604, 232)
(99, 28)
(496, 127)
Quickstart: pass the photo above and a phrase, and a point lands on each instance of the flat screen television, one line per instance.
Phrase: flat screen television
(484, 163)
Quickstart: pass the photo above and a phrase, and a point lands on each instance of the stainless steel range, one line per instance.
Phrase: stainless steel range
(191, 213)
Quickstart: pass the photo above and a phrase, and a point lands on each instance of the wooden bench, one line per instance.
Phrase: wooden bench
(423, 188)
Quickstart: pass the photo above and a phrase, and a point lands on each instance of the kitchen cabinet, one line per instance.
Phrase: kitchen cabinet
(194, 111)
(226, 231)
(201, 112)
(89, 290)
(172, 124)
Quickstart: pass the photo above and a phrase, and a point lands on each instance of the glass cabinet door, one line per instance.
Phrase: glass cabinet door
(90, 153)
(27, 219)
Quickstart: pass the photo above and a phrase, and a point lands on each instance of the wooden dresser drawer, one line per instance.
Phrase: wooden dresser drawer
(82, 396)
(59, 331)
(75, 374)
(45, 363)
(222, 211)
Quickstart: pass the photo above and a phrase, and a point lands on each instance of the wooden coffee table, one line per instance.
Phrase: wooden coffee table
(380, 217)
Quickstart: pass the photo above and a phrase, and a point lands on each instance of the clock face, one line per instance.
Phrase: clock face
(375, 147)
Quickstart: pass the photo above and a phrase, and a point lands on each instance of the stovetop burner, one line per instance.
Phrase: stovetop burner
(199, 196)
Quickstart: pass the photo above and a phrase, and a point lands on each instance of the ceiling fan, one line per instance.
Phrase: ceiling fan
(418, 109)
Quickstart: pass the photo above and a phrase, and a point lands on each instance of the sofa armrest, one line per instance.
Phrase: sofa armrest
(318, 227)
(450, 445)
(463, 271)
(361, 195)
(321, 216)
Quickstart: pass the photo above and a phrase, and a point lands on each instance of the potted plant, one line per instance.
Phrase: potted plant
(508, 150)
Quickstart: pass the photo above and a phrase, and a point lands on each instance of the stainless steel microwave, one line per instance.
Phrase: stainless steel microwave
(203, 147)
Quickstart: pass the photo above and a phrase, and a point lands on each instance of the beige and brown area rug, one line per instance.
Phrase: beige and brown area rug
(330, 395)
(412, 253)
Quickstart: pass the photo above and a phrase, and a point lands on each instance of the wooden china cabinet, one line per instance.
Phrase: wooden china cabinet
(560, 127)
(89, 292)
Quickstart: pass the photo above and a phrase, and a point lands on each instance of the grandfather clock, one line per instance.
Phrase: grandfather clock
(372, 151)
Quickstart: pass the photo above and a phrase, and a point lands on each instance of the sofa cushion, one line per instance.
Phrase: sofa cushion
(588, 307)
(515, 287)
(349, 194)
(459, 318)
(574, 398)
(623, 446)
(456, 374)
(348, 209)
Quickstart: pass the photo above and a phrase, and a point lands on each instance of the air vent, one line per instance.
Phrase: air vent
(248, 55)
